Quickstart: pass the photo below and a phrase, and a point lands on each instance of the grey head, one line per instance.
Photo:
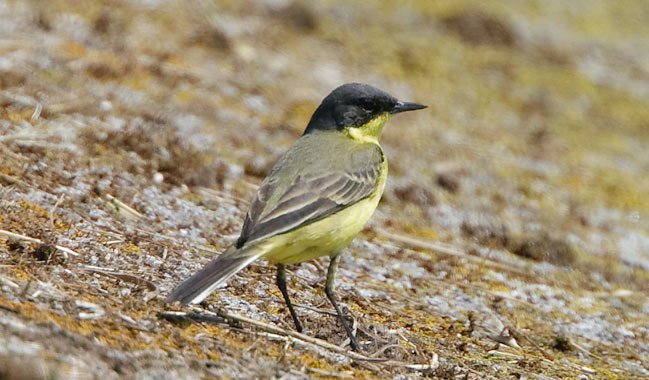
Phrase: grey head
(353, 105)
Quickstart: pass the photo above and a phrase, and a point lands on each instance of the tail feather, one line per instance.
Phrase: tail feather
(196, 288)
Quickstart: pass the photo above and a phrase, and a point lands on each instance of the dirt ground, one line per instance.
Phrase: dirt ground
(512, 241)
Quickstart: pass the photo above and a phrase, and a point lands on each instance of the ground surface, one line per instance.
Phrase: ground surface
(134, 132)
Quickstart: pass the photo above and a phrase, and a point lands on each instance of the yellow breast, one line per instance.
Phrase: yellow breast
(327, 236)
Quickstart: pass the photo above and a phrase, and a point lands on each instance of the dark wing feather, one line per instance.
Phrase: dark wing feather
(256, 208)
(313, 195)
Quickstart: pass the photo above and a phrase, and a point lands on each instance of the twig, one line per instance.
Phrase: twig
(505, 354)
(347, 341)
(53, 209)
(490, 292)
(316, 309)
(340, 375)
(9, 309)
(221, 196)
(252, 346)
(180, 242)
(293, 334)
(587, 369)
(405, 338)
(447, 250)
(37, 241)
(518, 336)
(11, 180)
(23, 135)
(431, 366)
(268, 335)
(584, 350)
(123, 209)
(94, 311)
(8, 282)
(305, 339)
(133, 279)
(385, 348)
(505, 337)
(40, 143)
(37, 111)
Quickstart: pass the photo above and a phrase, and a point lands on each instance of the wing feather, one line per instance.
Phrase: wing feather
(314, 193)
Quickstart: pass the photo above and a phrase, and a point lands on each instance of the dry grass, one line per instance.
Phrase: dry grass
(511, 241)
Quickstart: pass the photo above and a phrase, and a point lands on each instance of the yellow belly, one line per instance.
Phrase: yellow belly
(328, 236)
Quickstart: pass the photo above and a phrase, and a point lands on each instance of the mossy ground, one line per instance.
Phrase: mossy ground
(531, 159)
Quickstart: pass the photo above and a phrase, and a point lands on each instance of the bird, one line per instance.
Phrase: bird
(317, 197)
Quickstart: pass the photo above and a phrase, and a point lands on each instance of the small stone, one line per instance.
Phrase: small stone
(158, 178)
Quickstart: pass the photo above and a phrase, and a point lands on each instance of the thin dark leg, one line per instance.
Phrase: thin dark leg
(329, 291)
(281, 284)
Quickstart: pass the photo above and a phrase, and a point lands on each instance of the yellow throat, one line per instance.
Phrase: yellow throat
(370, 131)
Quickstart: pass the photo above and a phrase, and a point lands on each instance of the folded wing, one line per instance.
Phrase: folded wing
(315, 193)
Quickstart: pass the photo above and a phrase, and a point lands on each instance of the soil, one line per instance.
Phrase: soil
(512, 241)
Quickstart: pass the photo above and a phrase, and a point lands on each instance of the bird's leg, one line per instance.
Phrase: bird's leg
(329, 291)
(281, 284)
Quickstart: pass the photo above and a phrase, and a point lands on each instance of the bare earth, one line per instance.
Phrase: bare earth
(512, 241)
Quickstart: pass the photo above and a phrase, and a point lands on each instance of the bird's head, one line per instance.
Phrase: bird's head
(359, 109)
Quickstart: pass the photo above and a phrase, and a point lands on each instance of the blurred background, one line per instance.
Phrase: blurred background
(532, 155)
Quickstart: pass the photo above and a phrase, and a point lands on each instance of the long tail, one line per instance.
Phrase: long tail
(196, 288)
